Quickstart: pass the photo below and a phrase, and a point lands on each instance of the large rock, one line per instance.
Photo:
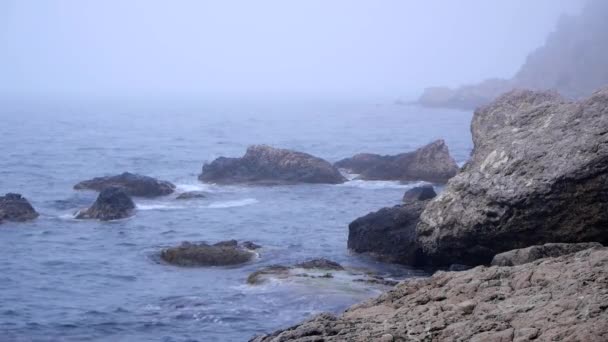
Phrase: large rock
(263, 164)
(431, 163)
(224, 253)
(389, 234)
(538, 173)
(14, 207)
(419, 193)
(134, 185)
(113, 203)
(532, 253)
(561, 299)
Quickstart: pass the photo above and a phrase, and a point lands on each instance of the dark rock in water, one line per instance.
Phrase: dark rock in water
(377, 281)
(191, 195)
(263, 164)
(419, 193)
(558, 299)
(14, 207)
(431, 163)
(223, 253)
(134, 185)
(532, 253)
(278, 271)
(459, 267)
(251, 245)
(321, 264)
(538, 173)
(389, 234)
(113, 203)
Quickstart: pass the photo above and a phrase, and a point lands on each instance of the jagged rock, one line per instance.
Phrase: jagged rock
(134, 185)
(389, 234)
(532, 253)
(263, 164)
(191, 195)
(431, 163)
(559, 299)
(251, 245)
(224, 253)
(419, 193)
(14, 207)
(113, 203)
(538, 173)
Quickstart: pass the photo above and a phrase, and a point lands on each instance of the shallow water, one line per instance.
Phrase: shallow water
(68, 280)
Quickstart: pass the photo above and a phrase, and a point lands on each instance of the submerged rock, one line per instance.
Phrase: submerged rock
(224, 253)
(538, 173)
(321, 264)
(548, 250)
(389, 234)
(560, 299)
(191, 195)
(431, 163)
(134, 185)
(263, 164)
(14, 207)
(113, 203)
(419, 193)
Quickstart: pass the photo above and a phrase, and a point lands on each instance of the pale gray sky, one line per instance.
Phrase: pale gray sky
(265, 47)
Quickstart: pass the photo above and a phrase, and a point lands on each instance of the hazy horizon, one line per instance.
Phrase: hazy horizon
(267, 49)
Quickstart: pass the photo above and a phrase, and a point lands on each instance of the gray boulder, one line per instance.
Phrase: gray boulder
(267, 165)
(538, 173)
(14, 207)
(190, 195)
(389, 234)
(224, 253)
(113, 203)
(133, 184)
(419, 193)
(532, 253)
(431, 163)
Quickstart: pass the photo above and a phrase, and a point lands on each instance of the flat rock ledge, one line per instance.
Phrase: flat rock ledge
(266, 165)
(549, 250)
(556, 299)
(223, 253)
(133, 184)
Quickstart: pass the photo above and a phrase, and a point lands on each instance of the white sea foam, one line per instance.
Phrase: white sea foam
(185, 187)
(231, 204)
(377, 185)
(157, 206)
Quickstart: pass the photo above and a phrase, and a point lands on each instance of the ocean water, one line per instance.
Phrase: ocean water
(67, 280)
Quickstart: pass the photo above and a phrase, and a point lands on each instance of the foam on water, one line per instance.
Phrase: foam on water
(157, 206)
(234, 203)
(379, 185)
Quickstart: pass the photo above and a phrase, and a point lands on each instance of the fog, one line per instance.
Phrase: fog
(270, 48)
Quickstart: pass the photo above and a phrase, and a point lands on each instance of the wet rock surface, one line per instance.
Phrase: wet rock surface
(113, 203)
(133, 184)
(419, 193)
(265, 165)
(556, 299)
(190, 195)
(16, 208)
(223, 253)
(389, 234)
(538, 173)
(532, 253)
(431, 163)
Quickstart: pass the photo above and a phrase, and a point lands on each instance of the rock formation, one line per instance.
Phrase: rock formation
(419, 193)
(134, 185)
(389, 234)
(431, 163)
(560, 299)
(113, 203)
(191, 195)
(538, 173)
(224, 253)
(549, 250)
(14, 207)
(263, 164)
(573, 61)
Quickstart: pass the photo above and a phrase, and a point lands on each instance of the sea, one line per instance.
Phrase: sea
(63, 279)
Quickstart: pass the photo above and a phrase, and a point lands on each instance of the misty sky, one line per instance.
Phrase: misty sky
(266, 47)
